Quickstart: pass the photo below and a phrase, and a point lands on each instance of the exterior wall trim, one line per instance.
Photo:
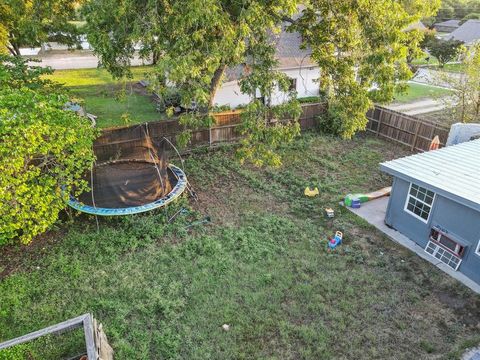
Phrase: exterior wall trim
(415, 215)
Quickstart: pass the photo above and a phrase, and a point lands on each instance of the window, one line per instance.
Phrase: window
(293, 84)
(443, 255)
(446, 242)
(419, 202)
(444, 249)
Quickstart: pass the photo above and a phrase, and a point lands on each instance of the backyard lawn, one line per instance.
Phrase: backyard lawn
(164, 292)
(109, 99)
(417, 92)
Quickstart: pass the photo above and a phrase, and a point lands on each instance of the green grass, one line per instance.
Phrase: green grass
(434, 64)
(111, 104)
(433, 61)
(84, 77)
(458, 68)
(163, 292)
(417, 92)
(115, 102)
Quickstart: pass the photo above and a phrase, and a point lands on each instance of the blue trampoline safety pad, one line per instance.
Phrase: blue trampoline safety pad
(177, 190)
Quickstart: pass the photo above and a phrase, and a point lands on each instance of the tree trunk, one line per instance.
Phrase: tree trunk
(215, 83)
(155, 57)
(14, 49)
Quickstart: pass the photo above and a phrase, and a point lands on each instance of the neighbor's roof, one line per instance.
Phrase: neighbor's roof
(449, 23)
(469, 32)
(289, 54)
(453, 171)
(289, 50)
(415, 26)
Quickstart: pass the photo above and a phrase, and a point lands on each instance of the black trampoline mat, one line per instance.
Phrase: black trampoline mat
(127, 184)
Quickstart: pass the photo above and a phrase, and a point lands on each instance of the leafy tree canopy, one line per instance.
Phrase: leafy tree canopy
(454, 9)
(15, 72)
(361, 48)
(30, 23)
(444, 50)
(471, 16)
(464, 102)
(358, 44)
(43, 149)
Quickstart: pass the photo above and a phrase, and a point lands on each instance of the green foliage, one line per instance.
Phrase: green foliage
(197, 39)
(43, 149)
(14, 353)
(464, 101)
(444, 50)
(265, 129)
(457, 9)
(471, 16)
(309, 99)
(359, 45)
(30, 23)
(15, 72)
(428, 36)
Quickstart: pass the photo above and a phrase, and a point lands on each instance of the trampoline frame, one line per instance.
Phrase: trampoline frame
(177, 190)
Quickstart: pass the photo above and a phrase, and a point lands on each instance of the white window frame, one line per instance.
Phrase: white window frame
(442, 254)
(458, 246)
(477, 250)
(411, 212)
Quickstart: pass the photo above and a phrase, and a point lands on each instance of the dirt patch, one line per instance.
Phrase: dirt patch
(221, 201)
(466, 308)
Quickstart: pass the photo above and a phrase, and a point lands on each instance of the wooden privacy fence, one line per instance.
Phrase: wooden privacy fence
(395, 126)
(119, 140)
(405, 129)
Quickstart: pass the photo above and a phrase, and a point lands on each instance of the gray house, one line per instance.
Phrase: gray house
(435, 201)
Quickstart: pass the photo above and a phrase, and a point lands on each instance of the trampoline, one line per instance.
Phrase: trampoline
(138, 179)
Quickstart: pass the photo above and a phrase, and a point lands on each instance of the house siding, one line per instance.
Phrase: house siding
(230, 94)
(459, 221)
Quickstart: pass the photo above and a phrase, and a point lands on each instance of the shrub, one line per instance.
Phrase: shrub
(43, 149)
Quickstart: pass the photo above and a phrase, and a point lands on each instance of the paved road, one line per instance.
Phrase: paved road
(76, 60)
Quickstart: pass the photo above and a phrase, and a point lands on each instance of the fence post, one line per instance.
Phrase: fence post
(379, 120)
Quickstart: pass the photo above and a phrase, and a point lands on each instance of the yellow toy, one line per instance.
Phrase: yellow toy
(311, 192)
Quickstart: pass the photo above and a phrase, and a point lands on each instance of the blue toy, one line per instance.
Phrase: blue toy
(337, 240)
(356, 203)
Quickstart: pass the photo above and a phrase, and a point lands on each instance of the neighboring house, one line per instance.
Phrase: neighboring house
(469, 32)
(435, 201)
(447, 26)
(292, 61)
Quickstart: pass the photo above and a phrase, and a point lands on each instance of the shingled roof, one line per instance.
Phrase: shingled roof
(449, 23)
(289, 54)
(469, 32)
